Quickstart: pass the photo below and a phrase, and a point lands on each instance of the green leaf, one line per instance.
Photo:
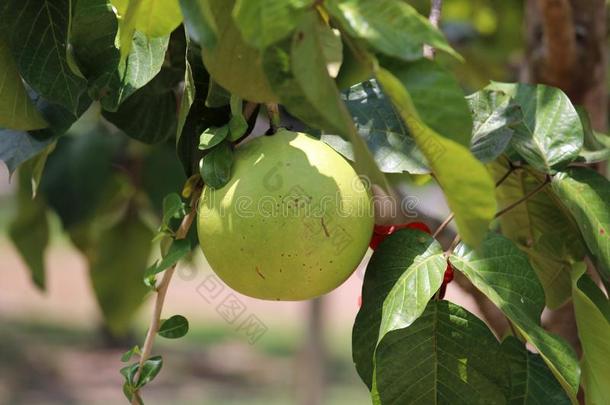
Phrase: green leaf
(37, 34)
(379, 124)
(130, 353)
(212, 136)
(186, 100)
(158, 18)
(238, 124)
(17, 111)
(446, 356)
(551, 134)
(149, 371)
(404, 273)
(199, 18)
(117, 259)
(149, 114)
(18, 146)
(503, 273)
(231, 60)
(542, 227)
(29, 230)
(471, 197)
(92, 36)
(299, 75)
(391, 27)
(178, 249)
(266, 22)
(175, 327)
(437, 97)
(140, 66)
(494, 116)
(215, 167)
(592, 310)
(586, 194)
(173, 208)
(217, 96)
(531, 381)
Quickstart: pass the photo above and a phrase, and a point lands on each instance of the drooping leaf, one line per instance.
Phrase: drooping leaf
(212, 136)
(586, 194)
(437, 97)
(392, 27)
(551, 134)
(386, 136)
(92, 36)
(18, 146)
(542, 228)
(162, 174)
(117, 260)
(446, 356)
(150, 369)
(503, 273)
(231, 60)
(298, 74)
(149, 114)
(174, 327)
(494, 116)
(173, 208)
(158, 18)
(471, 197)
(29, 230)
(17, 111)
(199, 19)
(531, 381)
(592, 310)
(238, 124)
(215, 167)
(404, 273)
(143, 62)
(37, 35)
(130, 353)
(186, 100)
(263, 23)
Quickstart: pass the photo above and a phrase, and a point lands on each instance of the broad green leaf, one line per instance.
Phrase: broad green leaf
(354, 68)
(238, 124)
(29, 230)
(149, 114)
(265, 22)
(494, 116)
(299, 75)
(403, 274)
(592, 310)
(17, 111)
(379, 124)
(332, 48)
(596, 146)
(17, 147)
(175, 327)
(92, 36)
(446, 356)
(586, 194)
(391, 27)
(117, 260)
(212, 136)
(215, 167)
(150, 369)
(551, 133)
(437, 97)
(37, 34)
(235, 65)
(531, 381)
(542, 228)
(158, 18)
(503, 273)
(178, 249)
(471, 198)
(141, 65)
(199, 18)
(217, 96)
(162, 175)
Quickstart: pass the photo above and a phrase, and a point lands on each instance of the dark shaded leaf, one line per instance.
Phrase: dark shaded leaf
(174, 327)
(215, 167)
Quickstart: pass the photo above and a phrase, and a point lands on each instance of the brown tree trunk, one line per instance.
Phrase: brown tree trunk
(566, 48)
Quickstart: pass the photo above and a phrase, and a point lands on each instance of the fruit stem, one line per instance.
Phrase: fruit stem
(161, 290)
(434, 18)
(273, 111)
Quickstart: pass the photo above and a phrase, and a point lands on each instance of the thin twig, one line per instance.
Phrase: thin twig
(435, 18)
(161, 289)
(273, 110)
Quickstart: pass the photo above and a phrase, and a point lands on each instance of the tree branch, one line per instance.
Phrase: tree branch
(434, 18)
(181, 233)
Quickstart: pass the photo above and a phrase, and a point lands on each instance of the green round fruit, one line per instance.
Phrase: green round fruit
(293, 222)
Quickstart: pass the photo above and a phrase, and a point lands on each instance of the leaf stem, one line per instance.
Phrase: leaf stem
(273, 111)
(161, 290)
